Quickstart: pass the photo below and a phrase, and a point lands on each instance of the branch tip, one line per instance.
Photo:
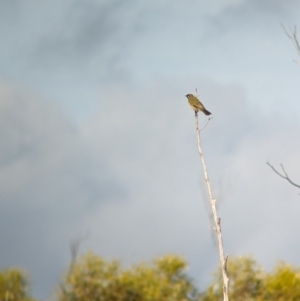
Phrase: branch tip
(284, 175)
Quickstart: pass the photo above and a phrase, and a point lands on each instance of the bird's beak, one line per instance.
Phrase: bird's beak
(186, 95)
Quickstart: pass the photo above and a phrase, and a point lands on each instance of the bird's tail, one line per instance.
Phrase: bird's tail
(206, 112)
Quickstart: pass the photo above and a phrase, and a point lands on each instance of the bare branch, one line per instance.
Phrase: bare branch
(286, 32)
(74, 250)
(74, 247)
(292, 34)
(206, 123)
(217, 220)
(284, 175)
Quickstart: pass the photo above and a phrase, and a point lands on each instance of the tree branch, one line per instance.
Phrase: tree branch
(284, 175)
(217, 220)
(293, 36)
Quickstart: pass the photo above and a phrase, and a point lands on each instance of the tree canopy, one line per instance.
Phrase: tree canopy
(250, 281)
(14, 286)
(93, 278)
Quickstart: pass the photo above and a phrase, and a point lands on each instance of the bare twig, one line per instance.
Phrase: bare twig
(217, 220)
(208, 120)
(292, 34)
(284, 175)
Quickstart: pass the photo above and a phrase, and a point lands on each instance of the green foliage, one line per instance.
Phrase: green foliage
(14, 286)
(92, 278)
(249, 282)
(283, 284)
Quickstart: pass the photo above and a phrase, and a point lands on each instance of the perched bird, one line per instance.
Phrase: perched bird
(196, 104)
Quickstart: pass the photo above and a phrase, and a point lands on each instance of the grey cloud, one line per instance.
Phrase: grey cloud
(91, 33)
(251, 14)
(49, 180)
(63, 38)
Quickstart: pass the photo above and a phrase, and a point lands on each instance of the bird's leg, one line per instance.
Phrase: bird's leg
(196, 113)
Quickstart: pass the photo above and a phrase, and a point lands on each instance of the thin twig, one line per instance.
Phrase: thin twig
(294, 37)
(206, 123)
(217, 220)
(285, 176)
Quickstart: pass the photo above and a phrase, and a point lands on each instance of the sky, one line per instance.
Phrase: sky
(99, 143)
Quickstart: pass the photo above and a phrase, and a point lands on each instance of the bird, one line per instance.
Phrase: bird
(196, 104)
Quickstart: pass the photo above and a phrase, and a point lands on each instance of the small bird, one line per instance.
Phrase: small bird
(196, 104)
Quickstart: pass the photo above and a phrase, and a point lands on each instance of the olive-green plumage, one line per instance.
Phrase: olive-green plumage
(196, 104)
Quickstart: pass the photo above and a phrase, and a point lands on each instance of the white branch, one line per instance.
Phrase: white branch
(217, 220)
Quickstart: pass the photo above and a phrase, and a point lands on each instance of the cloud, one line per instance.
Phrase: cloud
(89, 37)
(87, 28)
(263, 204)
(48, 182)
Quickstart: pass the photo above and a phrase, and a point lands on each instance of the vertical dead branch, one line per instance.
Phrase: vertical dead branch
(74, 250)
(217, 220)
(74, 247)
